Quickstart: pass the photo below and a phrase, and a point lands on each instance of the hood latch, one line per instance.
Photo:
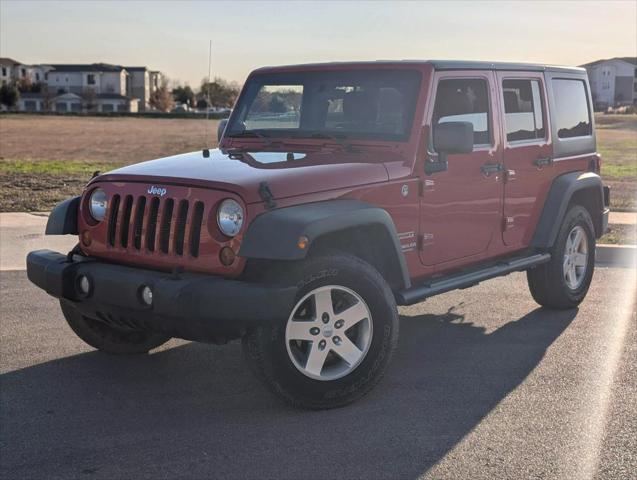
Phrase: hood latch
(266, 195)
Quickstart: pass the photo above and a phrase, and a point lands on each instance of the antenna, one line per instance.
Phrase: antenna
(206, 152)
(208, 86)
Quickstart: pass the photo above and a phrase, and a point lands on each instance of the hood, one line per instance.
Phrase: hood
(287, 173)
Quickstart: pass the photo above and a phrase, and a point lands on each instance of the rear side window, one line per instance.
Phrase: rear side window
(523, 110)
(464, 100)
(571, 108)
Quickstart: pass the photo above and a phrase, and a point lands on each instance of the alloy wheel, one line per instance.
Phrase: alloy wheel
(329, 332)
(575, 257)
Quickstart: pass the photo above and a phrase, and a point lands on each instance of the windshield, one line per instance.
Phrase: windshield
(362, 104)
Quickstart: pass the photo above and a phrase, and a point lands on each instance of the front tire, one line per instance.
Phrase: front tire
(338, 340)
(563, 282)
(108, 339)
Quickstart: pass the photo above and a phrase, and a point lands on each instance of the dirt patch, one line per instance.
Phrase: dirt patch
(32, 193)
(46, 159)
(102, 140)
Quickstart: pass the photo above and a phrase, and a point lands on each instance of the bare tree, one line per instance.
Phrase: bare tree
(220, 92)
(90, 99)
(47, 98)
(9, 96)
(162, 98)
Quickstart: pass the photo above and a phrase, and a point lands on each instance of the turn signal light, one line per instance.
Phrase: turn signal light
(86, 238)
(303, 242)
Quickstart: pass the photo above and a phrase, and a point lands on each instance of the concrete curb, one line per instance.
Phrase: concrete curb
(616, 255)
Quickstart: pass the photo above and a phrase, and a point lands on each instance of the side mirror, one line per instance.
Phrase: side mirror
(450, 137)
(221, 128)
(453, 137)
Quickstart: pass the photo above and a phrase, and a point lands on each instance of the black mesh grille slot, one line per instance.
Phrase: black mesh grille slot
(151, 230)
(112, 220)
(195, 232)
(164, 228)
(139, 219)
(128, 206)
(180, 228)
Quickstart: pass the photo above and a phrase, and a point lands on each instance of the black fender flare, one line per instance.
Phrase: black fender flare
(557, 202)
(63, 218)
(274, 235)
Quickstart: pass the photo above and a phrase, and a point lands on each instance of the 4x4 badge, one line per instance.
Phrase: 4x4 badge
(153, 190)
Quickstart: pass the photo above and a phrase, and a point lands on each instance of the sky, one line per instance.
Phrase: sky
(174, 36)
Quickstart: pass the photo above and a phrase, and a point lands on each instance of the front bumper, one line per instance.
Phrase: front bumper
(191, 306)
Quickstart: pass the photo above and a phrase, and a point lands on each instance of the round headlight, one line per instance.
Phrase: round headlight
(97, 204)
(230, 217)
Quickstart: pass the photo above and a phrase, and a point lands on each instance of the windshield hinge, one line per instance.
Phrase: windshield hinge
(266, 195)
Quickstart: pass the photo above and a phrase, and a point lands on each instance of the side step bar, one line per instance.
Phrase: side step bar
(436, 286)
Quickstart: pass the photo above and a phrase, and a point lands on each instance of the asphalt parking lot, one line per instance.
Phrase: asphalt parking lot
(484, 385)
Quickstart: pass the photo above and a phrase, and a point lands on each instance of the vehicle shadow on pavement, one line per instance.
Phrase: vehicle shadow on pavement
(194, 411)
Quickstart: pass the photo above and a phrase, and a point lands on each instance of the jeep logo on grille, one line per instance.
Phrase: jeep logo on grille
(157, 191)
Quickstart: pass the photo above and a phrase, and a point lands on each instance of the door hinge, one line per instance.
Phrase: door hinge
(424, 240)
(509, 175)
(426, 185)
(507, 223)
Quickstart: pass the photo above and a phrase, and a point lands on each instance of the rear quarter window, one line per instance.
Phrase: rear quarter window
(572, 116)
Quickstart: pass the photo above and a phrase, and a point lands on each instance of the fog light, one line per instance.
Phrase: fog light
(147, 296)
(84, 284)
(226, 255)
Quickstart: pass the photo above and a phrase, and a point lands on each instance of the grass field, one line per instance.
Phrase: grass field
(617, 143)
(45, 159)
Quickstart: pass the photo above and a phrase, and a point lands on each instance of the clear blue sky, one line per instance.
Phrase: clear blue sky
(173, 36)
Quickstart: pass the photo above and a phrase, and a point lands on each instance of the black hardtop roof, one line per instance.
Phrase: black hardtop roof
(471, 65)
(445, 65)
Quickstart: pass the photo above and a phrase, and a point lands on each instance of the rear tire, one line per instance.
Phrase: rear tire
(563, 282)
(107, 339)
(326, 357)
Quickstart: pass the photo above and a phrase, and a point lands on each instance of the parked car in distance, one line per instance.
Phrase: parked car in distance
(181, 108)
(338, 192)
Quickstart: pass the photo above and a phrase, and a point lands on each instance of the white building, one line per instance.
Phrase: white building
(143, 83)
(613, 81)
(96, 87)
(12, 71)
(99, 77)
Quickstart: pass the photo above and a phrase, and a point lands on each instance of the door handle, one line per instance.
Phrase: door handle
(543, 162)
(489, 168)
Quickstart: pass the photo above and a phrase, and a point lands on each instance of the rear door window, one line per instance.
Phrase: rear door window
(465, 100)
(523, 110)
(572, 116)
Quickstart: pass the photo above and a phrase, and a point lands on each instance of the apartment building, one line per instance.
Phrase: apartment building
(98, 87)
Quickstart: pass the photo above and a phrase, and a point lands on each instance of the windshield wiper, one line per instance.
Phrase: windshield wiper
(248, 134)
(341, 140)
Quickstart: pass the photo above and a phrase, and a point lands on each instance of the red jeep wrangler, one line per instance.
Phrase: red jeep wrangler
(338, 192)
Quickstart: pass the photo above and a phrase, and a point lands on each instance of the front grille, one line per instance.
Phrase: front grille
(156, 225)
